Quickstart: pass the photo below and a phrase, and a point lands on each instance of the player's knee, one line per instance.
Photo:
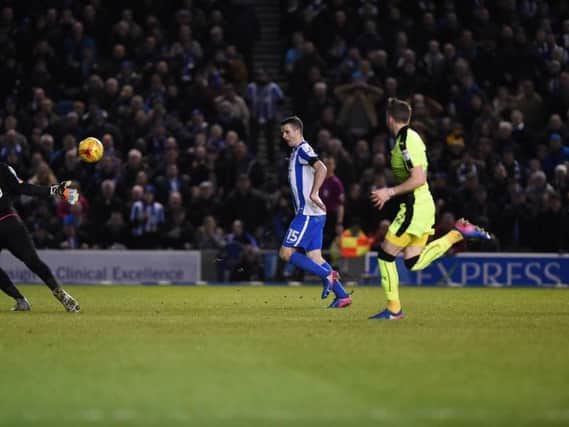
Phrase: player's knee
(381, 254)
(285, 253)
(317, 258)
(410, 262)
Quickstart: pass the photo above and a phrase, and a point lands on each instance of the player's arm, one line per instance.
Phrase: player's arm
(17, 186)
(415, 159)
(61, 190)
(320, 171)
(373, 90)
(417, 178)
(343, 90)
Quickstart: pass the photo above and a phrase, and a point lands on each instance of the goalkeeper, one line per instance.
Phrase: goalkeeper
(15, 237)
(413, 224)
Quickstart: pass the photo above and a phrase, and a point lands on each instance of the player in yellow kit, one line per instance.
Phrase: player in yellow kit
(414, 222)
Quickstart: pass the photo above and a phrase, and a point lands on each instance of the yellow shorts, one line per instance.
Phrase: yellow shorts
(416, 217)
(407, 239)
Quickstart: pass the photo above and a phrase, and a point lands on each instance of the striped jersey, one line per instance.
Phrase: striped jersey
(154, 213)
(301, 179)
(263, 100)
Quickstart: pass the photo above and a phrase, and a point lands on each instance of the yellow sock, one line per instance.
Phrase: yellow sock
(436, 249)
(394, 306)
(453, 237)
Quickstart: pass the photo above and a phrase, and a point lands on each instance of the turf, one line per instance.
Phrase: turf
(272, 356)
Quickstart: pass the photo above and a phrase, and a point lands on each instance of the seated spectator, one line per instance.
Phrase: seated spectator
(114, 232)
(147, 220)
(557, 154)
(178, 231)
(234, 258)
(209, 235)
(172, 182)
(43, 239)
(246, 204)
(204, 203)
(72, 237)
(105, 203)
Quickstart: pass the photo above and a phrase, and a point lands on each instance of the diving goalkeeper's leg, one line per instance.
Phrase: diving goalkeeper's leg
(8, 287)
(22, 247)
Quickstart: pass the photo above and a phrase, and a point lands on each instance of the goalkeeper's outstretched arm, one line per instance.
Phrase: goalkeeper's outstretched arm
(17, 187)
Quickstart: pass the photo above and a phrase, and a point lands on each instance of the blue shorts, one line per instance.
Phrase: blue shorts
(305, 232)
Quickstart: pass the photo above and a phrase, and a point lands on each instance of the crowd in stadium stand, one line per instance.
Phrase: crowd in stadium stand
(172, 91)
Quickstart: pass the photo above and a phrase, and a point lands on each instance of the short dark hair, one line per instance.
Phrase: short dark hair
(399, 110)
(294, 121)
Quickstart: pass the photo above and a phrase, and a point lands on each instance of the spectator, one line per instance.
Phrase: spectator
(147, 220)
(358, 113)
(172, 182)
(557, 154)
(263, 96)
(204, 203)
(209, 235)
(43, 239)
(552, 236)
(294, 53)
(131, 168)
(233, 111)
(246, 204)
(530, 103)
(236, 263)
(317, 102)
(105, 204)
(114, 233)
(178, 232)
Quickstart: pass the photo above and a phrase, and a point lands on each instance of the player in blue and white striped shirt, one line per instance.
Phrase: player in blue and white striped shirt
(306, 173)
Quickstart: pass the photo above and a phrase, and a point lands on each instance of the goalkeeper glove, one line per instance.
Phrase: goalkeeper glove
(64, 191)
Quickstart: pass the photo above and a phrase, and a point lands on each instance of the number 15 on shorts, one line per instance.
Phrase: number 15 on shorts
(292, 235)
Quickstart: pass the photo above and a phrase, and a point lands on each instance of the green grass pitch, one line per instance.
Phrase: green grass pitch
(273, 356)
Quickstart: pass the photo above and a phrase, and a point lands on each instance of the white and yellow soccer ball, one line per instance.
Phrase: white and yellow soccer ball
(91, 150)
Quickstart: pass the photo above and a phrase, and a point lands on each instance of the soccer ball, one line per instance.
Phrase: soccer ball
(90, 150)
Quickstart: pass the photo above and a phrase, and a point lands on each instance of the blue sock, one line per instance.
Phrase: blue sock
(302, 261)
(329, 268)
(338, 288)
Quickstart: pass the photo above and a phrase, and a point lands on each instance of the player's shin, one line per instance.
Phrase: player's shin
(389, 280)
(302, 261)
(434, 250)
